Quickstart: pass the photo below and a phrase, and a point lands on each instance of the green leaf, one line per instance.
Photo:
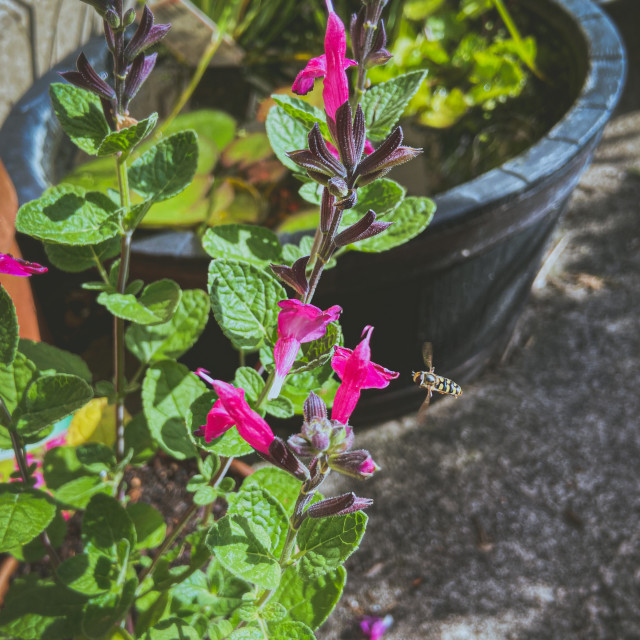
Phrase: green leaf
(383, 196)
(303, 112)
(280, 408)
(173, 338)
(61, 465)
(49, 399)
(242, 547)
(138, 438)
(49, 359)
(37, 609)
(86, 573)
(105, 523)
(125, 140)
(384, 104)
(75, 259)
(244, 301)
(34, 550)
(104, 611)
(172, 629)
(96, 457)
(77, 493)
(168, 390)
(325, 543)
(69, 215)
(230, 444)
(24, 513)
(149, 525)
(155, 305)
(310, 601)
(312, 192)
(257, 245)
(8, 328)
(251, 381)
(410, 219)
(167, 168)
(290, 631)
(14, 380)
(281, 485)
(257, 505)
(81, 116)
(318, 352)
(286, 134)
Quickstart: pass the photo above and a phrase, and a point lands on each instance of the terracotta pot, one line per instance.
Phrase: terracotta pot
(461, 284)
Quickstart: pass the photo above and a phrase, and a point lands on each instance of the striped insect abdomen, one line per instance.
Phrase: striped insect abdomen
(444, 385)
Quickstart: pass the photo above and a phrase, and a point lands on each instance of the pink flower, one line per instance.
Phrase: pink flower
(357, 372)
(297, 323)
(331, 66)
(230, 409)
(18, 267)
(374, 627)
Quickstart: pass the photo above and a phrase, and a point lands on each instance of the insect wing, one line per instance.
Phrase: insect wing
(427, 355)
(422, 412)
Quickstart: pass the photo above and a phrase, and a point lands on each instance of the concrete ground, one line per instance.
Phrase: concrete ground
(514, 513)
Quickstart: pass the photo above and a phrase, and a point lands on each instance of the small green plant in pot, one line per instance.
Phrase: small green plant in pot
(265, 561)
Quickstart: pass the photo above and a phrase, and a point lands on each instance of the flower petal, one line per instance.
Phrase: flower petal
(18, 267)
(316, 68)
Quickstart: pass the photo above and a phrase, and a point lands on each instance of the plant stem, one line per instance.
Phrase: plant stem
(120, 381)
(23, 467)
(265, 390)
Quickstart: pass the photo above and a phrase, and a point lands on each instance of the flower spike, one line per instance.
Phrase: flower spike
(86, 77)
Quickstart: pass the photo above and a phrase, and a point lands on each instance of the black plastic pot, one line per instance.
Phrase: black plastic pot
(463, 282)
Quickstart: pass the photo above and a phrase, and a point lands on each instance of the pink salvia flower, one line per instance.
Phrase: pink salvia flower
(230, 409)
(331, 66)
(357, 372)
(297, 323)
(374, 627)
(18, 267)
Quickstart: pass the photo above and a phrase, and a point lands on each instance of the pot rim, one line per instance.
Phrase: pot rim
(25, 135)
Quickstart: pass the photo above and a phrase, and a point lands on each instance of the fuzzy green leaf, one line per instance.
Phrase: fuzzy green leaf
(156, 303)
(383, 196)
(172, 629)
(80, 114)
(125, 140)
(14, 380)
(86, 573)
(384, 104)
(167, 168)
(24, 513)
(310, 601)
(249, 243)
(149, 525)
(77, 493)
(105, 523)
(168, 390)
(410, 219)
(325, 543)
(286, 134)
(8, 328)
(244, 301)
(49, 359)
(281, 485)
(75, 259)
(290, 631)
(303, 112)
(69, 215)
(49, 399)
(251, 381)
(104, 611)
(261, 508)
(173, 338)
(37, 609)
(280, 408)
(242, 547)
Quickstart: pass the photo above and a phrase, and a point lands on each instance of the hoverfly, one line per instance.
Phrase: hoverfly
(432, 381)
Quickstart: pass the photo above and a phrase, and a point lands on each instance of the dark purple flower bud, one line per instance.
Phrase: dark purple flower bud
(318, 147)
(356, 31)
(295, 275)
(314, 408)
(137, 73)
(311, 162)
(281, 456)
(357, 464)
(87, 78)
(379, 54)
(109, 36)
(338, 187)
(128, 17)
(399, 156)
(345, 141)
(371, 162)
(101, 6)
(366, 227)
(327, 210)
(349, 201)
(359, 133)
(146, 35)
(300, 446)
(378, 58)
(338, 506)
(199, 432)
(112, 19)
